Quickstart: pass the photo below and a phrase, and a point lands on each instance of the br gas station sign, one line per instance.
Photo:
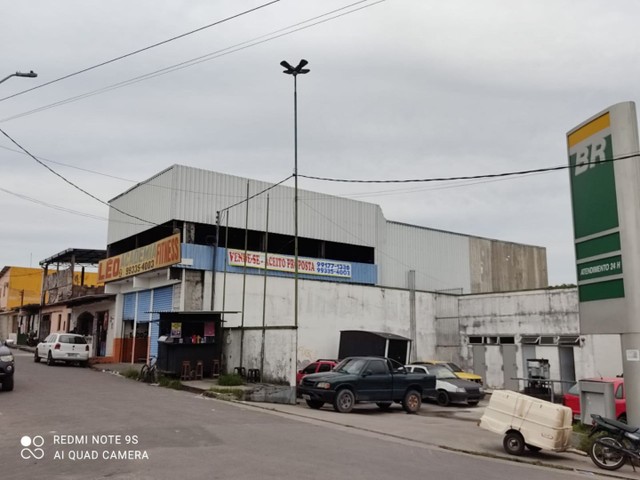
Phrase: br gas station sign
(604, 162)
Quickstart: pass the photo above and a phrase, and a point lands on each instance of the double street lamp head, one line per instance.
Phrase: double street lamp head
(299, 70)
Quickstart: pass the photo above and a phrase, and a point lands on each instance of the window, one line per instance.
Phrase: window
(620, 392)
(377, 367)
(324, 367)
(78, 340)
(532, 340)
(311, 368)
(475, 340)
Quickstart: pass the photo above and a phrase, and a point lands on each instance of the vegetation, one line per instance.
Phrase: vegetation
(169, 382)
(227, 393)
(230, 380)
(582, 431)
(131, 373)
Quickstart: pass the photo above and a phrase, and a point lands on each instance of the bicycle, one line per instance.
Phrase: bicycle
(149, 372)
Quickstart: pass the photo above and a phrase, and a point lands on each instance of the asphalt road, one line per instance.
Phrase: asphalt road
(80, 423)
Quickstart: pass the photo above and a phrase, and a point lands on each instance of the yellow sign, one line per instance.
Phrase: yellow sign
(162, 253)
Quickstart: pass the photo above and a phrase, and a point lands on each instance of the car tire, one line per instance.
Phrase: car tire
(384, 405)
(412, 401)
(344, 401)
(315, 404)
(50, 361)
(36, 357)
(513, 443)
(7, 384)
(443, 398)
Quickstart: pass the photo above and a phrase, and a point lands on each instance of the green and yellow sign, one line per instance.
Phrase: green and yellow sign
(595, 209)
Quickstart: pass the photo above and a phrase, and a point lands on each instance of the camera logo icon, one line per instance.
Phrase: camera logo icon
(36, 452)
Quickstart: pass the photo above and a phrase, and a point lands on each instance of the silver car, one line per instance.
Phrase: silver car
(63, 347)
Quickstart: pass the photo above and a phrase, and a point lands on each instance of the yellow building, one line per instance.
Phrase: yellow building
(19, 287)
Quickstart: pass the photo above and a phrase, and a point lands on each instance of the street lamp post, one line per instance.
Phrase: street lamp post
(298, 70)
(30, 74)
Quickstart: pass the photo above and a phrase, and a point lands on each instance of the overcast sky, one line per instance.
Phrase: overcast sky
(398, 89)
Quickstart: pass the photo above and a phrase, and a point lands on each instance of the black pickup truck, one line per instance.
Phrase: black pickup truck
(367, 379)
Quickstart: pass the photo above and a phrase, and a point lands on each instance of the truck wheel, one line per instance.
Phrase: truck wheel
(513, 443)
(384, 405)
(412, 401)
(443, 398)
(7, 384)
(344, 401)
(315, 404)
(36, 357)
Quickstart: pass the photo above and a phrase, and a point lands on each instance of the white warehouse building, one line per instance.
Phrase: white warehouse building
(480, 302)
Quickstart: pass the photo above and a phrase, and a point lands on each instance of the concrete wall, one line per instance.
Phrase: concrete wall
(498, 266)
(324, 310)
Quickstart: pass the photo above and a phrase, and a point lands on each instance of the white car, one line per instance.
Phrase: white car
(63, 347)
(450, 388)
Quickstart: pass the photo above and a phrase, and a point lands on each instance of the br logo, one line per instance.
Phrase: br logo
(36, 452)
(589, 156)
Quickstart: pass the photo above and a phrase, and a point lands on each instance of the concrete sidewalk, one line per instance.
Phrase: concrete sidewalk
(452, 428)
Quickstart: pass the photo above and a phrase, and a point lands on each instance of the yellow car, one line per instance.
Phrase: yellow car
(455, 369)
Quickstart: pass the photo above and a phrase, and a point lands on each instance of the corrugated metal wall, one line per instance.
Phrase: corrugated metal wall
(440, 259)
(150, 200)
(195, 195)
(443, 261)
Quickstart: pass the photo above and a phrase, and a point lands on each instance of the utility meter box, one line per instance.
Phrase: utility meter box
(596, 397)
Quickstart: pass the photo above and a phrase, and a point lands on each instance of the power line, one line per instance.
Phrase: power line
(466, 177)
(378, 250)
(73, 184)
(64, 209)
(72, 166)
(256, 194)
(138, 182)
(194, 61)
(141, 50)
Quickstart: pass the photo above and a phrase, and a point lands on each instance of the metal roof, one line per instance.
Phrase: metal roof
(77, 255)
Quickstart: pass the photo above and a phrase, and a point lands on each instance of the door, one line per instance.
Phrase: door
(398, 350)
(567, 368)
(510, 367)
(375, 381)
(479, 362)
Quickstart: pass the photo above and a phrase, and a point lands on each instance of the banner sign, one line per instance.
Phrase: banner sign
(286, 263)
(162, 253)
